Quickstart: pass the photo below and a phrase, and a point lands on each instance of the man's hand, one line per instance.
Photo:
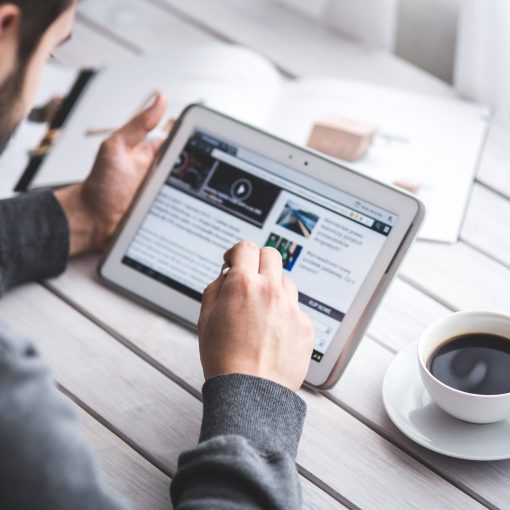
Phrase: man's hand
(95, 207)
(250, 322)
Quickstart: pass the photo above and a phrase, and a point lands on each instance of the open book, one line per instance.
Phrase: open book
(432, 141)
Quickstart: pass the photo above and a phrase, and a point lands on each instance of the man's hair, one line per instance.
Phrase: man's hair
(37, 16)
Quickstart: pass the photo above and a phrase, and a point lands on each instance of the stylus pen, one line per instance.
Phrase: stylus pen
(145, 104)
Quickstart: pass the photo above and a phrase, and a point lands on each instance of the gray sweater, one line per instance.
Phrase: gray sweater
(250, 428)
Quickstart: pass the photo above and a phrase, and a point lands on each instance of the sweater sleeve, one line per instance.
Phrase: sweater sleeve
(34, 239)
(44, 460)
(245, 458)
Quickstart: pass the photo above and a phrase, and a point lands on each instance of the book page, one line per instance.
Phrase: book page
(433, 142)
(234, 80)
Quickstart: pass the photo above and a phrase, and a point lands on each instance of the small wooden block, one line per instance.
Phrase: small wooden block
(410, 186)
(341, 137)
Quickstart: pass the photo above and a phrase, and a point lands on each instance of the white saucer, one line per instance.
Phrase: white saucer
(412, 411)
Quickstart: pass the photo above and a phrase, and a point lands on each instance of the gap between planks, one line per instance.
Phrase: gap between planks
(122, 468)
(379, 430)
(115, 430)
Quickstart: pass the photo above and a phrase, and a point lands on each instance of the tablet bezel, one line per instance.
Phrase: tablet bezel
(409, 209)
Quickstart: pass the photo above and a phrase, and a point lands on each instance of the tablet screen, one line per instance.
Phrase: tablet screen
(219, 193)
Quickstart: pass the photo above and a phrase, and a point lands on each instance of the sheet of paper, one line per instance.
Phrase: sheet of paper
(431, 141)
(233, 80)
(56, 81)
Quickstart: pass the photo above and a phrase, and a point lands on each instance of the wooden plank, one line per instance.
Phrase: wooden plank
(316, 499)
(494, 166)
(331, 444)
(487, 226)
(124, 470)
(402, 316)
(154, 415)
(447, 272)
(458, 276)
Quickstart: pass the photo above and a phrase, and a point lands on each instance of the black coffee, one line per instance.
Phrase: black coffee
(475, 363)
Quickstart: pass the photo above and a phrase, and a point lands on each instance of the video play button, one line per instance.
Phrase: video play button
(241, 189)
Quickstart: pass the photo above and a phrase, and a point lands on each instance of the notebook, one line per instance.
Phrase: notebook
(430, 141)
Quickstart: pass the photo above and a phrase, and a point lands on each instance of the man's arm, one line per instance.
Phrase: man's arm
(255, 346)
(246, 455)
(95, 207)
(44, 461)
(38, 231)
(34, 239)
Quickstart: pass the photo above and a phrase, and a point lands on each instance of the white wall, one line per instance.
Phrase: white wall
(425, 29)
(426, 34)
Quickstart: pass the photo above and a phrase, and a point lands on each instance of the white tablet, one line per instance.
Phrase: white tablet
(218, 181)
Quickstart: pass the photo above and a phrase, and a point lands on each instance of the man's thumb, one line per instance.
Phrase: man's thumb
(135, 131)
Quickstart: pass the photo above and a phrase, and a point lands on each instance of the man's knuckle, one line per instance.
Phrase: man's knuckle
(308, 327)
(246, 245)
(270, 250)
(105, 145)
(242, 281)
(272, 254)
(290, 285)
(202, 327)
(209, 289)
(110, 143)
(273, 291)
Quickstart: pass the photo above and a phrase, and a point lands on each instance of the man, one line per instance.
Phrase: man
(255, 343)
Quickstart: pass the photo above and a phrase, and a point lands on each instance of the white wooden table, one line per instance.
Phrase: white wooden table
(135, 377)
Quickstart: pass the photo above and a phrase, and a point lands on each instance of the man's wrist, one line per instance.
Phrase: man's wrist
(268, 415)
(84, 235)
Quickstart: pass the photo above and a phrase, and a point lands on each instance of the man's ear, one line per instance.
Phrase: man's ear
(9, 19)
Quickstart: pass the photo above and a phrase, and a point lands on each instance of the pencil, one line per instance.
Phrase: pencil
(106, 131)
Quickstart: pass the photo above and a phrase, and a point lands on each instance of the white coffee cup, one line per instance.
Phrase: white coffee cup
(465, 406)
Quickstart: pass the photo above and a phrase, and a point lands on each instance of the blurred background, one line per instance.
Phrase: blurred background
(287, 65)
(465, 43)
(462, 42)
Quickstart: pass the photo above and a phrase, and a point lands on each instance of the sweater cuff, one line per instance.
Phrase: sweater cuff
(268, 415)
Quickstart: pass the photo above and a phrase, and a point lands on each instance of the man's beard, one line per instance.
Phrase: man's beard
(10, 105)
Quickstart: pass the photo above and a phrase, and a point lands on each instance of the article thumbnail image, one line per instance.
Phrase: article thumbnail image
(193, 165)
(290, 251)
(190, 170)
(297, 220)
